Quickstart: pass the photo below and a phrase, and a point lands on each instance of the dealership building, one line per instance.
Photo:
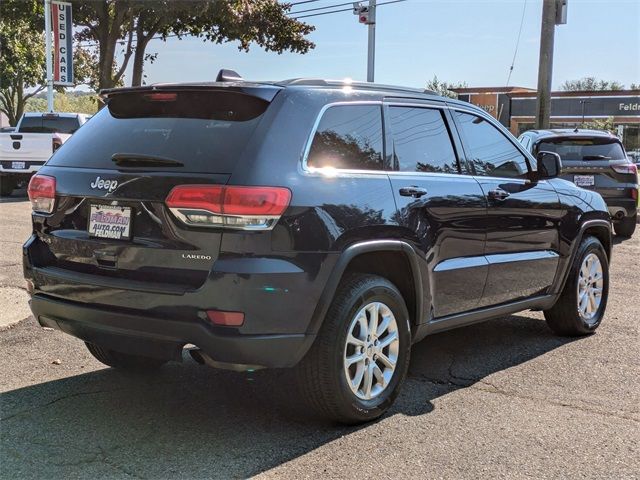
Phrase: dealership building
(515, 108)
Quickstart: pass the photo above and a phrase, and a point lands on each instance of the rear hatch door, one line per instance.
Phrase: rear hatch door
(110, 224)
(590, 161)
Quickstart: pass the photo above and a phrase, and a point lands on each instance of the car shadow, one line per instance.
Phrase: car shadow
(18, 195)
(196, 422)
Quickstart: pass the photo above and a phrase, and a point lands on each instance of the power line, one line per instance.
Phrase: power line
(515, 53)
(344, 10)
(320, 8)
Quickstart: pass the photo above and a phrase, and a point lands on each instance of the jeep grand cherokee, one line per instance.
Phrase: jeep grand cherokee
(305, 223)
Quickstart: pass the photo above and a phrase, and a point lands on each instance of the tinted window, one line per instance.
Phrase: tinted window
(206, 131)
(49, 124)
(348, 137)
(583, 148)
(421, 141)
(489, 152)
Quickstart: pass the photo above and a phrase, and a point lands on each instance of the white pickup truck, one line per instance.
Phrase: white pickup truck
(35, 138)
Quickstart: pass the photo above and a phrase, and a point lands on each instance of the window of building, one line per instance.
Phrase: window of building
(421, 141)
(349, 137)
(488, 151)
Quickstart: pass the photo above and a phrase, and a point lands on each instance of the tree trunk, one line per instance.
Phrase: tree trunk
(138, 59)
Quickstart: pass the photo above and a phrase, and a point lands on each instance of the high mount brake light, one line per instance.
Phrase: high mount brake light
(625, 168)
(42, 193)
(161, 97)
(246, 208)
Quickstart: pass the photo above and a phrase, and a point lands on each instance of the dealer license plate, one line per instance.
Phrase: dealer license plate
(18, 165)
(584, 180)
(110, 222)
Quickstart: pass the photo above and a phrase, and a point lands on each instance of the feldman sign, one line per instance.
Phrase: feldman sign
(62, 43)
(603, 106)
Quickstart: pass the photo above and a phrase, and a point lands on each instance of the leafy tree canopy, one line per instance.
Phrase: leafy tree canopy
(127, 26)
(444, 88)
(590, 83)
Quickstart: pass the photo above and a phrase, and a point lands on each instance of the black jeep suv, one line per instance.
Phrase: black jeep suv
(308, 223)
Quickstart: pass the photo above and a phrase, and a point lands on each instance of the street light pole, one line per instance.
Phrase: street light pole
(371, 57)
(47, 29)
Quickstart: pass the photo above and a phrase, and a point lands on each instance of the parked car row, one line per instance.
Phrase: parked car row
(25, 148)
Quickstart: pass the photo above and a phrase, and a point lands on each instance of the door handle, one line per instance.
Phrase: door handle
(413, 191)
(498, 194)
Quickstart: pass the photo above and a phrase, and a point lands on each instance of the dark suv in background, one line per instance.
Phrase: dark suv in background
(308, 223)
(594, 160)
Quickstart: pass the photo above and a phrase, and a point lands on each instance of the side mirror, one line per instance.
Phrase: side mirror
(549, 164)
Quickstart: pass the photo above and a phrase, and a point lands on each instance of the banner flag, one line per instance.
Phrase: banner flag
(62, 43)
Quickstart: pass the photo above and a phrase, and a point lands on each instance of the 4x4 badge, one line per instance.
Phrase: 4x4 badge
(101, 184)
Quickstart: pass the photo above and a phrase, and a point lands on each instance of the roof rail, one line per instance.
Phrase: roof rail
(319, 82)
(225, 75)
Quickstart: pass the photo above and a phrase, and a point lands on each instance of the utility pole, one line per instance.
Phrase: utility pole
(554, 12)
(47, 28)
(371, 57)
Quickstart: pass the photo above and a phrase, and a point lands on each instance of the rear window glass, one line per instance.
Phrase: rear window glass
(583, 148)
(349, 137)
(49, 124)
(204, 131)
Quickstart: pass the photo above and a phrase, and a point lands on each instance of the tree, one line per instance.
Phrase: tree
(444, 88)
(590, 83)
(133, 23)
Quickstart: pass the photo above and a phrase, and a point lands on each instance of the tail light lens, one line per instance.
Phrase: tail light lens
(625, 168)
(42, 193)
(246, 208)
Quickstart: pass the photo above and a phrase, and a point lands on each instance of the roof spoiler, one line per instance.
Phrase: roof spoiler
(225, 75)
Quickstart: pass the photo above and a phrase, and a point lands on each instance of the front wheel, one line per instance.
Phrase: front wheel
(626, 226)
(582, 303)
(355, 368)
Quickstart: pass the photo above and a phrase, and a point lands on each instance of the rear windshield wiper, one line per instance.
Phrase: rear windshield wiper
(596, 157)
(141, 160)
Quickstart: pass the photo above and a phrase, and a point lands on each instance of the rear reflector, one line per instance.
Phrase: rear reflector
(625, 168)
(42, 193)
(248, 208)
(226, 319)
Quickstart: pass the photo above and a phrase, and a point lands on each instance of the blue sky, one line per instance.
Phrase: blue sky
(457, 40)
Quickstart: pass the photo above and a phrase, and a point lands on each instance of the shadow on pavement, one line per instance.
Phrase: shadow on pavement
(195, 422)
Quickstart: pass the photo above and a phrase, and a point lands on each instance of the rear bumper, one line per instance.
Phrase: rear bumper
(165, 338)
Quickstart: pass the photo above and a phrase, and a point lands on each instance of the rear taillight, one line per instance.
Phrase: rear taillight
(247, 208)
(625, 168)
(42, 193)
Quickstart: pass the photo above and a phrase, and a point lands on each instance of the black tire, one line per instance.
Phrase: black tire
(321, 374)
(7, 186)
(123, 361)
(626, 226)
(564, 317)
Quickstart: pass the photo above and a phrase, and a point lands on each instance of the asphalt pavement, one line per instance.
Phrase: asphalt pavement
(502, 399)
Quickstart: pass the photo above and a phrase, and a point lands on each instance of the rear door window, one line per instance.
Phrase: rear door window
(204, 131)
(421, 140)
(489, 152)
(349, 137)
(583, 148)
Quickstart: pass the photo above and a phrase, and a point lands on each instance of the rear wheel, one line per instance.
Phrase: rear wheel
(7, 185)
(355, 368)
(581, 306)
(123, 361)
(626, 226)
